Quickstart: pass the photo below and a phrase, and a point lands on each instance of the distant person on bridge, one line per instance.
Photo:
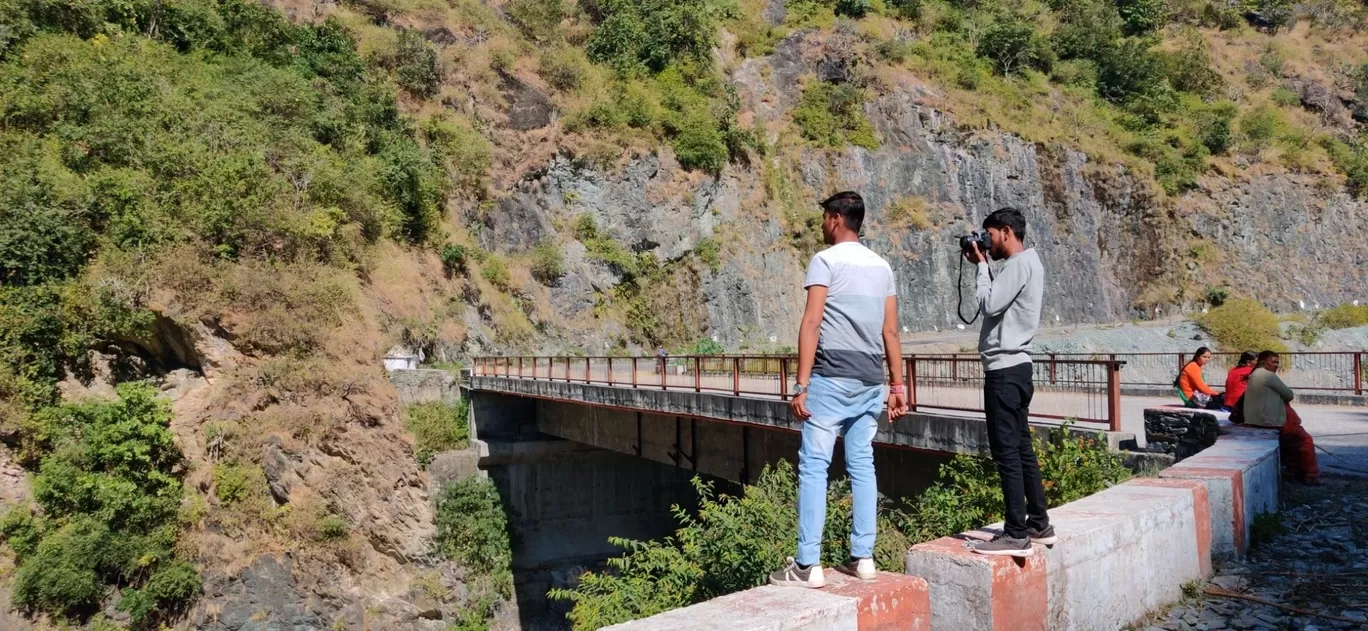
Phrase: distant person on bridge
(1196, 393)
(1268, 403)
(849, 331)
(1010, 304)
(1238, 378)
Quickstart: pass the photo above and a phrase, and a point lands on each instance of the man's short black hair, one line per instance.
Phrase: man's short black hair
(1007, 218)
(849, 205)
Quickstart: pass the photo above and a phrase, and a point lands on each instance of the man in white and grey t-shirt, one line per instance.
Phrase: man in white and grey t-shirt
(849, 331)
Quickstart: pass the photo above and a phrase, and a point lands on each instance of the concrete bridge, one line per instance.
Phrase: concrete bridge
(586, 448)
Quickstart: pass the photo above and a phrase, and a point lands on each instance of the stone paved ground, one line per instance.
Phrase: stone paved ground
(1318, 562)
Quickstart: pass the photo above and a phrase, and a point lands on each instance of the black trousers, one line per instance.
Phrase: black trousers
(1006, 402)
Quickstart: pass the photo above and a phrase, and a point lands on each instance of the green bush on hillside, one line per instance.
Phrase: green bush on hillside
(108, 482)
(437, 427)
(548, 263)
(472, 530)
(831, 115)
(650, 35)
(1242, 323)
(1345, 316)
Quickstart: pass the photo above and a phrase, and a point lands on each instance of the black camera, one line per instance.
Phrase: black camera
(980, 237)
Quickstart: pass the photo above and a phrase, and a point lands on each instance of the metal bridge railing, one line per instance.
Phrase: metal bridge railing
(1085, 389)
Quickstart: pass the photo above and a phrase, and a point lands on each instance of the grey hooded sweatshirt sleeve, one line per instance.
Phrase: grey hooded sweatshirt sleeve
(1010, 304)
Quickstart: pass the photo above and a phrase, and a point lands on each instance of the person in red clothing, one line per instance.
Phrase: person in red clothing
(1196, 393)
(1238, 379)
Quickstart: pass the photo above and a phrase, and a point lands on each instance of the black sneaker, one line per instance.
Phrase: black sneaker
(793, 576)
(1002, 545)
(1043, 537)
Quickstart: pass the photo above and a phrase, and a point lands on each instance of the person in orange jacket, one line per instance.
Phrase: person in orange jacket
(1196, 393)
(1238, 378)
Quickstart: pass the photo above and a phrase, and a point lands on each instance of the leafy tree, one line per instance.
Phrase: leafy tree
(1013, 46)
(1142, 16)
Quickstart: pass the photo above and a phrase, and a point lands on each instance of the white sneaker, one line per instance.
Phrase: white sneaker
(792, 576)
(862, 569)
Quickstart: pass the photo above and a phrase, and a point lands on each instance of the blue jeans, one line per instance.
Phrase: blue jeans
(852, 409)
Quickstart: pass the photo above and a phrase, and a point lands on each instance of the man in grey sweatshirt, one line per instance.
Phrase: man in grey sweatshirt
(1010, 304)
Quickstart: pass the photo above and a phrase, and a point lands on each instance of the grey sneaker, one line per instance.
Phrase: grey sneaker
(1002, 545)
(792, 576)
(1043, 537)
(862, 569)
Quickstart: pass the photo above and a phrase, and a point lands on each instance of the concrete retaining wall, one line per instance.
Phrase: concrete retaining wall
(890, 602)
(420, 385)
(1241, 472)
(1121, 553)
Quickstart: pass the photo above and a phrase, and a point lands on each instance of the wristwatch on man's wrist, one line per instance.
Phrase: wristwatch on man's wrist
(799, 388)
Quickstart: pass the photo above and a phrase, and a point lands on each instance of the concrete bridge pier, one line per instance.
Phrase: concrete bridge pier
(565, 499)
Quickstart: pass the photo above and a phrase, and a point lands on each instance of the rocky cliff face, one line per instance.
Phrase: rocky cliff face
(1115, 248)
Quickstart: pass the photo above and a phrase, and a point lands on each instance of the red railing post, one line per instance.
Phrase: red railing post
(1358, 373)
(1114, 395)
(520, 367)
(783, 378)
(911, 378)
(610, 371)
(588, 374)
(1052, 368)
(634, 372)
(698, 373)
(736, 376)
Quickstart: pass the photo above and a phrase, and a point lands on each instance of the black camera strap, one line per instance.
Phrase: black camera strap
(959, 289)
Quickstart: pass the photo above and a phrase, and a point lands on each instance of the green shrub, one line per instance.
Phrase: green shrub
(710, 253)
(704, 346)
(967, 494)
(1128, 71)
(415, 65)
(472, 530)
(832, 115)
(332, 528)
(649, 35)
(495, 270)
(1242, 323)
(1345, 316)
(169, 591)
(548, 263)
(466, 154)
(1014, 47)
(538, 19)
(563, 67)
(1142, 16)
(455, 258)
(1217, 296)
(236, 482)
(1261, 126)
(108, 483)
(700, 145)
(437, 427)
(1351, 158)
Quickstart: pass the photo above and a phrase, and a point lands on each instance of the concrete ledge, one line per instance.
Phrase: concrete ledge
(1121, 553)
(927, 432)
(1241, 473)
(890, 602)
